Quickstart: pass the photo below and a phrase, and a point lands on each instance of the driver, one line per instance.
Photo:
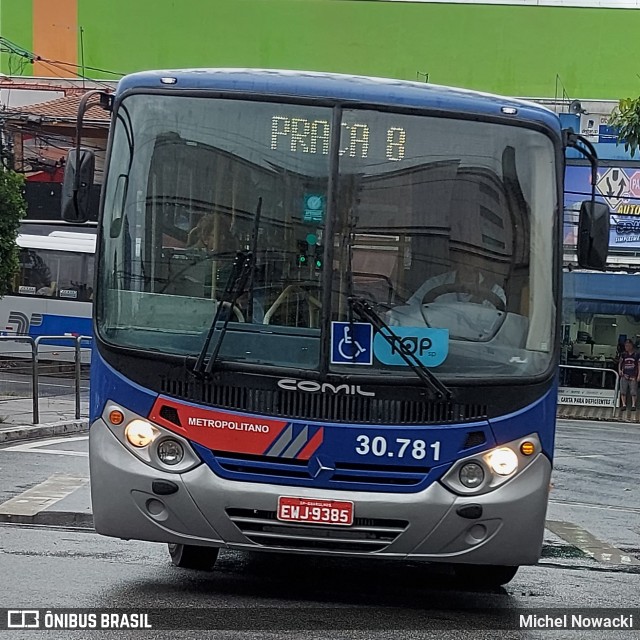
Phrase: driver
(202, 235)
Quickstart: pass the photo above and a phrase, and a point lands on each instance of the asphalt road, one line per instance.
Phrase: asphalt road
(14, 385)
(591, 559)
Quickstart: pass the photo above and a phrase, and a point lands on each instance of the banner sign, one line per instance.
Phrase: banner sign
(619, 189)
(587, 397)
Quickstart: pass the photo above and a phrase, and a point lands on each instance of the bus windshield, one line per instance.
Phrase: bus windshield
(443, 226)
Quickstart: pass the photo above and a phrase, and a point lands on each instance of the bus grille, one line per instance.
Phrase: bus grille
(322, 406)
(366, 535)
(348, 475)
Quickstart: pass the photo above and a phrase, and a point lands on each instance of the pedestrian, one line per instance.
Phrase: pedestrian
(628, 370)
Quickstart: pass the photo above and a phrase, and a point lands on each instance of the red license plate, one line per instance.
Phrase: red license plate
(338, 512)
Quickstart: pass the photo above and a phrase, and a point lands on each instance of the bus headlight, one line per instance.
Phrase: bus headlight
(471, 475)
(487, 470)
(151, 443)
(503, 461)
(170, 451)
(140, 433)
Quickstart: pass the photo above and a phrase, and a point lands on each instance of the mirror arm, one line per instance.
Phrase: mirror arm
(83, 107)
(584, 146)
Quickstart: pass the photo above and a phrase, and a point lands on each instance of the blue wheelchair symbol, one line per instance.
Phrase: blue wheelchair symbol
(351, 343)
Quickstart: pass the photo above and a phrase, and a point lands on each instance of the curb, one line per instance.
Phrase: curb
(46, 518)
(597, 414)
(34, 431)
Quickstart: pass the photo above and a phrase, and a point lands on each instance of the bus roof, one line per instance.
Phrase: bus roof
(360, 89)
(59, 241)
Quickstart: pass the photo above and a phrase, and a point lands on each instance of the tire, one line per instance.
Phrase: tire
(188, 556)
(484, 575)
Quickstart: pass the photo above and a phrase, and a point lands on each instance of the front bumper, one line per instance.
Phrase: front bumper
(209, 510)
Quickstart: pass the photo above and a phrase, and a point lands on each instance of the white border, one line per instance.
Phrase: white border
(334, 325)
(589, 4)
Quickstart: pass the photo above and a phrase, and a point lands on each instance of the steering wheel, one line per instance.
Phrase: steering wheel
(292, 291)
(477, 294)
(236, 310)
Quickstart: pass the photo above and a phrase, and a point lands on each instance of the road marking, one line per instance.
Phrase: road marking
(43, 495)
(44, 384)
(590, 505)
(36, 447)
(589, 544)
(590, 455)
(579, 425)
(573, 437)
(593, 432)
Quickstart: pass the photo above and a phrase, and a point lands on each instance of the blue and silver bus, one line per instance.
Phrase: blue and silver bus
(52, 291)
(326, 317)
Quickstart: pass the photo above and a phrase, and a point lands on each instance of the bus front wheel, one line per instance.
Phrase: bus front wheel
(188, 556)
(480, 575)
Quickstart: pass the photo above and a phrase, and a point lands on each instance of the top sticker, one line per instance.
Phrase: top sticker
(429, 346)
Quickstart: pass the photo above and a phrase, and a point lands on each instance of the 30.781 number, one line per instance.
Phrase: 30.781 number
(398, 448)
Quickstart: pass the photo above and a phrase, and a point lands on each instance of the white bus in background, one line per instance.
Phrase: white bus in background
(52, 292)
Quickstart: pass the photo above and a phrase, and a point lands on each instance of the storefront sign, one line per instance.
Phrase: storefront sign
(619, 188)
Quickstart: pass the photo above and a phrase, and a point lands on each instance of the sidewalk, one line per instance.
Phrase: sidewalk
(606, 414)
(56, 417)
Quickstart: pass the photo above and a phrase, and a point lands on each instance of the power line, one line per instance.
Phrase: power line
(7, 46)
(77, 66)
(56, 68)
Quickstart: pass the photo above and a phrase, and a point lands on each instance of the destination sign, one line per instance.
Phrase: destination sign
(358, 140)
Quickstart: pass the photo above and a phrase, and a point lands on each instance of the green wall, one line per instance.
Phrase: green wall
(15, 24)
(498, 48)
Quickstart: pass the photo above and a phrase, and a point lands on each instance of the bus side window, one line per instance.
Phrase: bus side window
(33, 275)
(20, 279)
(49, 291)
(16, 280)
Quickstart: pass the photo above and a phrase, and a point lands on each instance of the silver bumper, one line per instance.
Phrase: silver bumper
(210, 510)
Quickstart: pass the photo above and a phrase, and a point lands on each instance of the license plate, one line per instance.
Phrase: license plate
(338, 512)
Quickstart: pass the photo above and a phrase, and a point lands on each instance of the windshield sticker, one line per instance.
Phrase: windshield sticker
(314, 208)
(429, 346)
(351, 343)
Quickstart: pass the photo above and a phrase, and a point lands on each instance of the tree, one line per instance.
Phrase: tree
(626, 117)
(12, 209)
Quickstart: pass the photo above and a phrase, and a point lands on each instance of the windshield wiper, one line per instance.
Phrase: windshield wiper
(363, 308)
(242, 272)
(236, 284)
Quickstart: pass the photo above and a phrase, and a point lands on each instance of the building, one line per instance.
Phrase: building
(556, 49)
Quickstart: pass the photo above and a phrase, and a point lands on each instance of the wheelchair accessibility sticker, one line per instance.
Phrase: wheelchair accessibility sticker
(430, 346)
(351, 343)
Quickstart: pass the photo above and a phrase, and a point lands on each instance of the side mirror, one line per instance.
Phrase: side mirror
(76, 188)
(593, 235)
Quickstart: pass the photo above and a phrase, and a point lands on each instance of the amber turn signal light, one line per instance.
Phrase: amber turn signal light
(116, 417)
(527, 448)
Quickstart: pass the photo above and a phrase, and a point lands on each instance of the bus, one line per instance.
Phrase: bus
(326, 317)
(52, 291)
